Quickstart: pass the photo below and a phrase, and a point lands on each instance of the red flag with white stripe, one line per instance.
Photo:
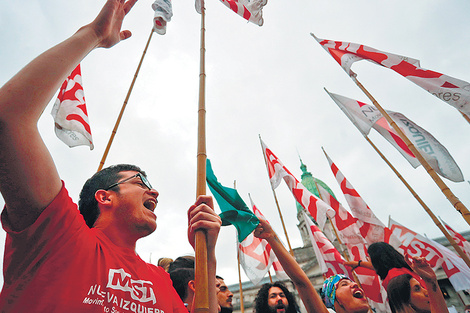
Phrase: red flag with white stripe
(256, 256)
(459, 239)
(434, 253)
(348, 232)
(250, 10)
(372, 229)
(453, 91)
(278, 269)
(277, 171)
(70, 113)
(330, 260)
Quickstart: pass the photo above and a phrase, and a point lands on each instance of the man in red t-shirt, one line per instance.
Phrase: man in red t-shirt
(58, 259)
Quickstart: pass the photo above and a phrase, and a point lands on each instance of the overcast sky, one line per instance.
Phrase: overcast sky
(264, 81)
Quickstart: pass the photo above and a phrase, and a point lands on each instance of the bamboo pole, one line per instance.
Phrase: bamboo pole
(201, 296)
(425, 207)
(278, 207)
(465, 116)
(270, 277)
(118, 121)
(458, 205)
(242, 307)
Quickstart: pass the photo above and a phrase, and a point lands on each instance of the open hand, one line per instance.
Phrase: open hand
(107, 25)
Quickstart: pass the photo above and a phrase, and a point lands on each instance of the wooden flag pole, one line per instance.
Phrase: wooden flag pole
(238, 261)
(242, 307)
(465, 116)
(270, 277)
(425, 207)
(201, 296)
(459, 206)
(118, 121)
(277, 205)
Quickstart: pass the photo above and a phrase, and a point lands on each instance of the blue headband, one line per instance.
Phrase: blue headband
(328, 291)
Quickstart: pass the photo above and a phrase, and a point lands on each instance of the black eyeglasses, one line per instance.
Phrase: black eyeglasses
(142, 178)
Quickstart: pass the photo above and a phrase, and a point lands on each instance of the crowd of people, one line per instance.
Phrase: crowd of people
(60, 259)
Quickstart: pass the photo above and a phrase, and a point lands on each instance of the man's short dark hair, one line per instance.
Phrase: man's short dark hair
(182, 262)
(87, 203)
(180, 278)
(261, 300)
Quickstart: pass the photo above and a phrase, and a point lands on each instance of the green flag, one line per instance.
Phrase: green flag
(234, 210)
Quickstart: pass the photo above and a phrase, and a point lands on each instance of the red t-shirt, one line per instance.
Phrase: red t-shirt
(58, 264)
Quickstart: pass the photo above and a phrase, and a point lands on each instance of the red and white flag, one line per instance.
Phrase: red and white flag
(435, 254)
(70, 113)
(250, 10)
(348, 232)
(278, 269)
(372, 229)
(163, 13)
(459, 239)
(254, 258)
(257, 256)
(317, 208)
(451, 90)
(364, 116)
(330, 260)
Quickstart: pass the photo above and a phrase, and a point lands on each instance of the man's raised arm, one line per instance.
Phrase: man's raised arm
(28, 178)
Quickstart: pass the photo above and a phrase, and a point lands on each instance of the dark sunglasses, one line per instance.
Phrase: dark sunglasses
(142, 178)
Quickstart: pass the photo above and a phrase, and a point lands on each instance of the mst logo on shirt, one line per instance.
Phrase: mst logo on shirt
(140, 290)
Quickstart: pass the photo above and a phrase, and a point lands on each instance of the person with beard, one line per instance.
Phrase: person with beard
(275, 298)
(224, 295)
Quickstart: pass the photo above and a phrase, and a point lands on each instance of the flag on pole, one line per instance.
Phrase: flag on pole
(257, 256)
(163, 13)
(234, 210)
(70, 113)
(330, 260)
(347, 228)
(278, 269)
(431, 149)
(364, 116)
(198, 4)
(250, 10)
(435, 254)
(277, 171)
(459, 239)
(372, 229)
(451, 90)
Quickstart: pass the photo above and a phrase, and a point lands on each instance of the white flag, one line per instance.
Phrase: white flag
(163, 14)
(70, 113)
(364, 116)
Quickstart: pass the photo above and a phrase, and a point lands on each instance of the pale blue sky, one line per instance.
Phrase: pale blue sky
(265, 80)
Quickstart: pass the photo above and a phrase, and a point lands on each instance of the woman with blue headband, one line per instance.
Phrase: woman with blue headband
(341, 294)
